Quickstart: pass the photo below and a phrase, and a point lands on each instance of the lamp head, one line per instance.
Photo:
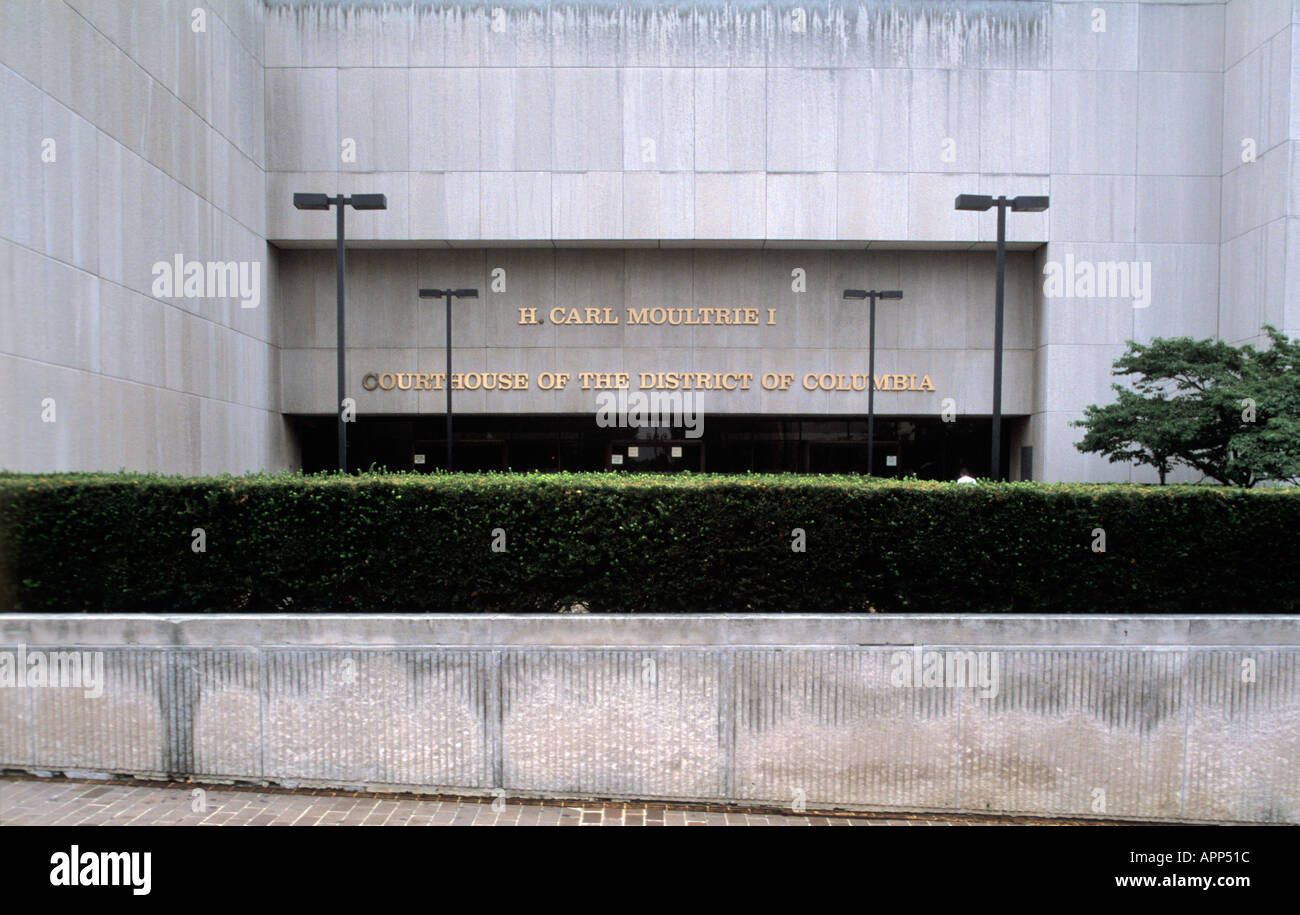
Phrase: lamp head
(1029, 204)
(368, 202)
(974, 201)
(311, 201)
(454, 293)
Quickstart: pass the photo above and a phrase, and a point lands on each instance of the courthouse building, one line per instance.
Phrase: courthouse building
(661, 199)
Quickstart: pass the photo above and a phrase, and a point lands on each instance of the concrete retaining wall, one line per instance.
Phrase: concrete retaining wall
(1168, 718)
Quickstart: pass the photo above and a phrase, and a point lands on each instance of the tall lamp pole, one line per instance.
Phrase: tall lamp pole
(981, 202)
(449, 294)
(324, 202)
(872, 294)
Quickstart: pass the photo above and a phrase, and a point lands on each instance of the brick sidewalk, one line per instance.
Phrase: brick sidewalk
(28, 801)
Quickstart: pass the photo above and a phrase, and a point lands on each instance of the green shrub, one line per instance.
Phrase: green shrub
(638, 543)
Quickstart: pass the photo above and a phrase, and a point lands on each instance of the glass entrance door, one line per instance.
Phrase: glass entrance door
(660, 456)
(851, 457)
(470, 455)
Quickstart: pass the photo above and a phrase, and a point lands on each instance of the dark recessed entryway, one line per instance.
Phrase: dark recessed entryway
(922, 446)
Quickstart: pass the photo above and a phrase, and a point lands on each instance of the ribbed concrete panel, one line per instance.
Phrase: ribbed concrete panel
(1160, 718)
(226, 716)
(16, 731)
(1243, 736)
(629, 722)
(161, 712)
(127, 729)
(813, 725)
(1090, 733)
(380, 717)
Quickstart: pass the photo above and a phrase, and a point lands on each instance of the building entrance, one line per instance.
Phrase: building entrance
(924, 447)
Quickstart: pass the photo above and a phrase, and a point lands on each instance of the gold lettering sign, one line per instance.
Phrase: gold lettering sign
(433, 381)
(829, 382)
(654, 315)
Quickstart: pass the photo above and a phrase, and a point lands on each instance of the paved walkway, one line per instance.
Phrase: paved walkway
(29, 801)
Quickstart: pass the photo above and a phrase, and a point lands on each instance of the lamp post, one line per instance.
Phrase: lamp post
(324, 202)
(981, 202)
(872, 294)
(449, 294)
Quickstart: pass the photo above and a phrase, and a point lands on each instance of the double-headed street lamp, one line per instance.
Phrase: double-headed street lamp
(324, 202)
(981, 202)
(872, 294)
(449, 294)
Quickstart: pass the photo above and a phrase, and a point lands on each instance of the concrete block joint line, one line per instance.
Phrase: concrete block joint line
(1146, 718)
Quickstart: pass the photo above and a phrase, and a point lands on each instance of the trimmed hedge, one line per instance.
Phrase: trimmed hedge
(639, 543)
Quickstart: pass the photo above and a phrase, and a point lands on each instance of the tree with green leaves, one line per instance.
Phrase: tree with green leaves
(1232, 413)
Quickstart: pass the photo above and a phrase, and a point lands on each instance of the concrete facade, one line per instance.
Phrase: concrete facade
(1160, 718)
(943, 336)
(127, 138)
(715, 146)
